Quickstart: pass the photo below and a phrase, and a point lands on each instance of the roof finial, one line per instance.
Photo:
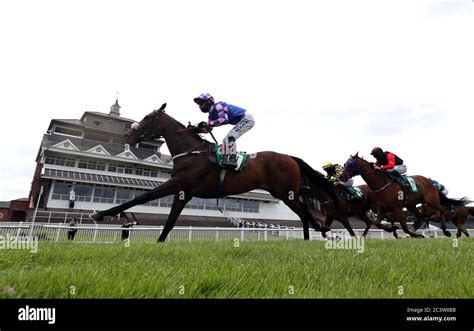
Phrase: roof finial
(115, 108)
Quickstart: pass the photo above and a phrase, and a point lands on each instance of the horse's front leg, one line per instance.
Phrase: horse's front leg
(378, 221)
(170, 187)
(179, 202)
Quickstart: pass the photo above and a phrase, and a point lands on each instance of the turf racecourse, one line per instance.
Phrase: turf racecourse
(407, 268)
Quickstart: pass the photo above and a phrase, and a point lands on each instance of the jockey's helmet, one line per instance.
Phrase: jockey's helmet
(205, 102)
(204, 97)
(326, 165)
(376, 152)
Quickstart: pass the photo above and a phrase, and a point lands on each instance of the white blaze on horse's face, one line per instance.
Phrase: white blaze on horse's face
(134, 126)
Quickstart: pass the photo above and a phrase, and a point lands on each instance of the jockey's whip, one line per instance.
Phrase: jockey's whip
(213, 137)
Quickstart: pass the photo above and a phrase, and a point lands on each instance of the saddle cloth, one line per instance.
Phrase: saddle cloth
(217, 156)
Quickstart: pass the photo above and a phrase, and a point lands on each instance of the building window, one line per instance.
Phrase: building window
(233, 204)
(83, 192)
(96, 137)
(61, 161)
(104, 194)
(67, 131)
(61, 191)
(250, 206)
(124, 195)
(91, 165)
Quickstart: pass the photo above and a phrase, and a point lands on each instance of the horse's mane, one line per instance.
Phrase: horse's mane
(183, 127)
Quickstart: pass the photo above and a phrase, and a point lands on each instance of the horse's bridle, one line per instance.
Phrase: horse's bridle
(156, 118)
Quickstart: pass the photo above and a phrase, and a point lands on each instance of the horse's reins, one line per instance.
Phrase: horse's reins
(383, 187)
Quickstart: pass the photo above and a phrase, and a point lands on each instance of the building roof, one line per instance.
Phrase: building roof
(85, 145)
(5, 204)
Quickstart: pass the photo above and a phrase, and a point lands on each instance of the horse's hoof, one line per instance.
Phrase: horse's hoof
(447, 233)
(325, 229)
(96, 217)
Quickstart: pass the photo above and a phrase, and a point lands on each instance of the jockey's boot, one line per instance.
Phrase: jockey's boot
(230, 161)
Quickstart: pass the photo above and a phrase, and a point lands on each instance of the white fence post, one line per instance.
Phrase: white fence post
(190, 234)
(95, 232)
(49, 217)
(57, 233)
(18, 232)
(217, 234)
(265, 235)
(242, 235)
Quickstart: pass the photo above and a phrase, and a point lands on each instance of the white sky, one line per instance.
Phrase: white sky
(323, 79)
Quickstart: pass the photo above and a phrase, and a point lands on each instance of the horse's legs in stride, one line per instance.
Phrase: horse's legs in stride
(368, 223)
(399, 215)
(327, 224)
(178, 204)
(346, 224)
(169, 187)
(296, 207)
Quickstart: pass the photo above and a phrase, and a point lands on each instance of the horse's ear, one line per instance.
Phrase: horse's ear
(163, 106)
(357, 154)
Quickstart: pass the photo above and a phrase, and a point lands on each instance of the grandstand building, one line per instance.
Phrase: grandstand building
(87, 156)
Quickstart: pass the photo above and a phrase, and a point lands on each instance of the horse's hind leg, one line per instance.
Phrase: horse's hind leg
(399, 215)
(348, 227)
(368, 223)
(304, 214)
(460, 220)
(179, 203)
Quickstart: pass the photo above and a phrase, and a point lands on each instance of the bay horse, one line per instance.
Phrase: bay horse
(193, 175)
(356, 207)
(455, 210)
(390, 197)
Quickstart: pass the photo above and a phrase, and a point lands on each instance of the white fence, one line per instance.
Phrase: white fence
(95, 233)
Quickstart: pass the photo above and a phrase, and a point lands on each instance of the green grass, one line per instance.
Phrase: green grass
(425, 268)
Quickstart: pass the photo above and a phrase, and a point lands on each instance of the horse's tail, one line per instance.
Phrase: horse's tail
(317, 179)
(445, 201)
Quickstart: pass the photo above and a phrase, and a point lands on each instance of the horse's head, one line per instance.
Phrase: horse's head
(149, 128)
(351, 167)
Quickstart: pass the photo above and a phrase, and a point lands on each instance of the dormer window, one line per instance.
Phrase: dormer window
(97, 123)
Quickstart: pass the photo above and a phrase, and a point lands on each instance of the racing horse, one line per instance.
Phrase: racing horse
(455, 210)
(356, 207)
(390, 197)
(193, 175)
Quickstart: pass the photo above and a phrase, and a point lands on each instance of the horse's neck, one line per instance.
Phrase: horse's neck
(178, 142)
(372, 178)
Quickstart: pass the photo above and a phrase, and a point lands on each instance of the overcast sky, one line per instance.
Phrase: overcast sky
(323, 79)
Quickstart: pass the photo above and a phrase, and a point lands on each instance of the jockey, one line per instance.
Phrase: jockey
(390, 163)
(221, 113)
(440, 187)
(335, 174)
